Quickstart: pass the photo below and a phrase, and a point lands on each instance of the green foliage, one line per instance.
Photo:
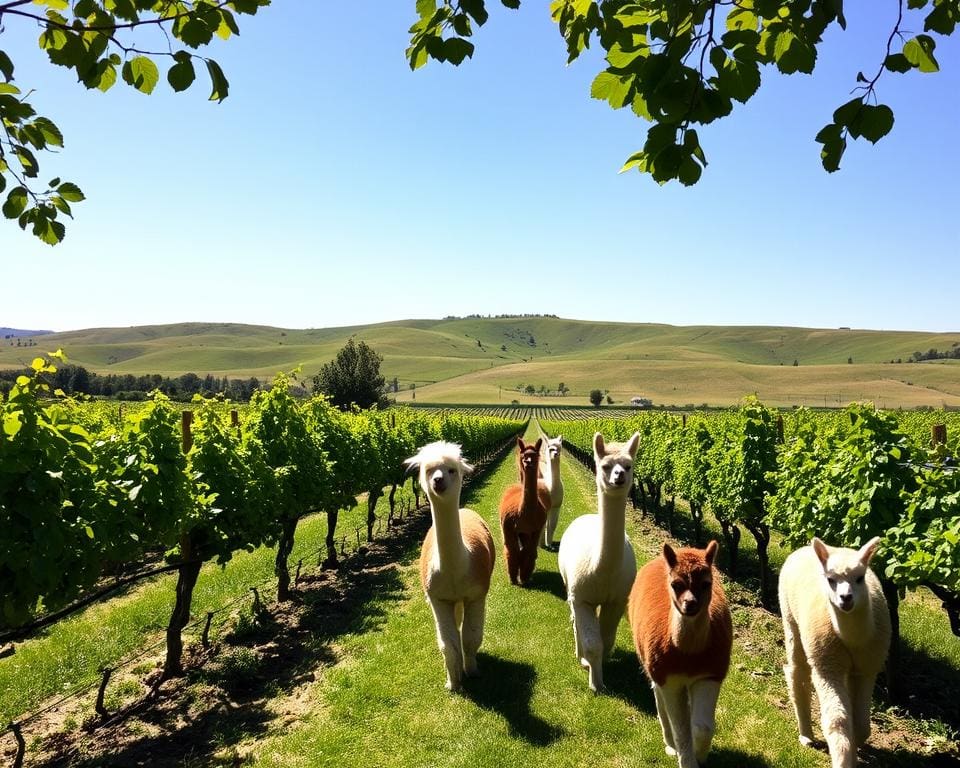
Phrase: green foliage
(679, 64)
(596, 397)
(353, 377)
(90, 41)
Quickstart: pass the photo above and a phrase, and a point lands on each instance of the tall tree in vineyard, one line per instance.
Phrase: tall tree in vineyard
(353, 377)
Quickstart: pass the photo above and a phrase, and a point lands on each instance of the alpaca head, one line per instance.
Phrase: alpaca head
(844, 572)
(441, 470)
(528, 456)
(615, 464)
(554, 444)
(690, 577)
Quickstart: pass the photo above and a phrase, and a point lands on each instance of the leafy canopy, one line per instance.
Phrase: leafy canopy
(353, 377)
(679, 64)
(90, 38)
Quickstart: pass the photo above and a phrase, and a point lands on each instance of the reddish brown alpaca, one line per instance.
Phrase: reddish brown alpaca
(523, 514)
(683, 634)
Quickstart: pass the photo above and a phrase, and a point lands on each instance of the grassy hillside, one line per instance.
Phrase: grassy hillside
(484, 359)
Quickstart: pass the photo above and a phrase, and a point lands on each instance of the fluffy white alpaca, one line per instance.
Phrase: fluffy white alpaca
(551, 478)
(456, 560)
(596, 559)
(837, 632)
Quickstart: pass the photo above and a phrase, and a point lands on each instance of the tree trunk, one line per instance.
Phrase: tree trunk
(372, 500)
(761, 533)
(393, 505)
(187, 575)
(893, 658)
(696, 514)
(284, 548)
(950, 603)
(416, 492)
(331, 542)
(731, 537)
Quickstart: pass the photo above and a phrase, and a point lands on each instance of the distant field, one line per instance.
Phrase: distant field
(483, 360)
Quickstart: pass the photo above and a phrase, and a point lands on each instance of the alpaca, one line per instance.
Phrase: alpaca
(551, 478)
(683, 634)
(456, 560)
(596, 559)
(837, 632)
(523, 513)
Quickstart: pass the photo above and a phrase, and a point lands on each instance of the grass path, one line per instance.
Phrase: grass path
(385, 704)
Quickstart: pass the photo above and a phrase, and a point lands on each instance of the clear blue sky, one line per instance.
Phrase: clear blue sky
(335, 186)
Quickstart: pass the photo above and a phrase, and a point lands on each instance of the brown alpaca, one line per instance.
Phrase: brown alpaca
(523, 514)
(683, 634)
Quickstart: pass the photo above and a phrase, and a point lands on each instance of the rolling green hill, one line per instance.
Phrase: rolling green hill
(485, 359)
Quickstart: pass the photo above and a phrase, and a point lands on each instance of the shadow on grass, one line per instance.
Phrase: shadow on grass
(625, 679)
(505, 687)
(548, 581)
(874, 757)
(227, 701)
(930, 686)
(721, 757)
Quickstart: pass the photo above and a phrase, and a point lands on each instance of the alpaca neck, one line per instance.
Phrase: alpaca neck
(446, 524)
(854, 627)
(530, 487)
(690, 634)
(612, 528)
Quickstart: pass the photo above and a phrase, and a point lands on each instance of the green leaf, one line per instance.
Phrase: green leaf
(612, 88)
(9, 88)
(426, 8)
(456, 49)
(897, 62)
(689, 171)
(847, 113)
(636, 160)
(919, 52)
(514, 4)
(6, 67)
(16, 202)
(943, 18)
(141, 73)
(181, 75)
(50, 132)
(875, 122)
(71, 192)
(220, 87)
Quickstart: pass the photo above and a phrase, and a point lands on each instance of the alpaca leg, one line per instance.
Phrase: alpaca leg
(448, 638)
(797, 672)
(551, 527)
(474, 613)
(676, 701)
(610, 615)
(528, 552)
(664, 718)
(835, 719)
(861, 693)
(703, 712)
(512, 555)
(590, 643)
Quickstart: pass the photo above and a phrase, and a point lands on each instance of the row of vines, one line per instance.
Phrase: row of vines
(844, 476)
(86, 491)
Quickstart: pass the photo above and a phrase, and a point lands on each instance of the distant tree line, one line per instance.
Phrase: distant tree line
(75, 379)
(497, 317)
(933, 354)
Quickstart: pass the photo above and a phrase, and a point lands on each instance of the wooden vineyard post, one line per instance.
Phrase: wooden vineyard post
(938, 434)
(779, 427)
(186, 420)
(235, 420)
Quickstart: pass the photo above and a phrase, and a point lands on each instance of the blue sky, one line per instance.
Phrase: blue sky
(335, 186)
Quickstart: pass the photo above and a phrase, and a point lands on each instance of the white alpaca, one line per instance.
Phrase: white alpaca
(551, 478)
(456, 560)
(596, 559)
(837, 632)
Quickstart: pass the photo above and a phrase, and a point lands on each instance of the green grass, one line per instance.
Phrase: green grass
(385, 704)
(69, 654)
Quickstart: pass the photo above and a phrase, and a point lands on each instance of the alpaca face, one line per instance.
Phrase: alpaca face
(690, 578)
(553, 447)
(844, 573)
(615, 463)
(441, 470)
(529, 456)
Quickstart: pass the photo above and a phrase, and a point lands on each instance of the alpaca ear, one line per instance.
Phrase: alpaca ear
(710, 553)
(669, 555)
(520, 444)
(598, 447)
(411, 464)
(823, 554)
(466, 468)
(868, 550)
(538, 445)
(633, 444)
